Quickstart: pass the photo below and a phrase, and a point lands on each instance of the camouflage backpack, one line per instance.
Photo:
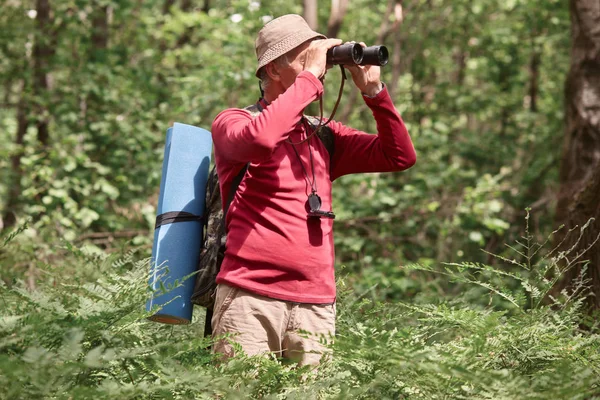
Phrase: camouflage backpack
(213, 248)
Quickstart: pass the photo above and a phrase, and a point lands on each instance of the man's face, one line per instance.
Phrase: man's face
(296, 59)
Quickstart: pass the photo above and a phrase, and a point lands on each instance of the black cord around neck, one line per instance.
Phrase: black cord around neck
(335, 107)
(313, 184)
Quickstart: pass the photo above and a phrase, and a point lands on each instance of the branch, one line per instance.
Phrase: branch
(384, 31)
(166, 9)
(111, 235)
(396, 59)
(374, 218)
(310, 14)
(338, 12)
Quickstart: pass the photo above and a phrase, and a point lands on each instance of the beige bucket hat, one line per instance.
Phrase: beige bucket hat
(281, 35)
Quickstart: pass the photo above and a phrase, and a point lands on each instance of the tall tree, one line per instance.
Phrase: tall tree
(167, 6)
(579, 198)
(94, 104)
(12, 202)
(396, 5)
(42, 51)
(186, 6)
(100, 33)
(31, 108)
(310, 14)
(336, 17)
(386, 29)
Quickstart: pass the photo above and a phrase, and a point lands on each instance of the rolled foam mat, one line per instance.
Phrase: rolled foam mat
(179, 228)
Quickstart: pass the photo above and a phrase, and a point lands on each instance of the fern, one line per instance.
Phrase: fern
(536, 273)
(90, 339)
(21, 228)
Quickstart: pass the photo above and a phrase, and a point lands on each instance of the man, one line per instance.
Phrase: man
(276, 287)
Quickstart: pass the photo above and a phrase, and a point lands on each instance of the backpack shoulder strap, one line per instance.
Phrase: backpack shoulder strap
(325, 134)
(254, 109)
(235, 184)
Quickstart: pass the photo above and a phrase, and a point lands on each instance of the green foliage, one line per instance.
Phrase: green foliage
(527, 279)
(480, 87)
(484, 151)
(462, 74)
(89, 338)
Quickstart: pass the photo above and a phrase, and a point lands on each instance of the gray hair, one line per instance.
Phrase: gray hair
(265, 79)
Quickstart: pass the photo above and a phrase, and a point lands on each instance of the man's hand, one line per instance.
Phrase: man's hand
(366, 78)
(315, 57)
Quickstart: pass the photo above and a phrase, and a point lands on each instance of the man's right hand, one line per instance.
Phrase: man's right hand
(315, 58)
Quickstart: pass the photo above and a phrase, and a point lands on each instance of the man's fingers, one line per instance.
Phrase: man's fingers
(353, 67)
(352, 42)
(327, 43)
(315, 56)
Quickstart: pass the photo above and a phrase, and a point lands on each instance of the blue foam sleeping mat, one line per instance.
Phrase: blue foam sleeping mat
(179, 227)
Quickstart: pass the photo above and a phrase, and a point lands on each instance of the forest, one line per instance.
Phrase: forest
(473, 275)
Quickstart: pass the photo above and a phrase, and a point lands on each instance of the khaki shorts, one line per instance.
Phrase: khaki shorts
(259, 324)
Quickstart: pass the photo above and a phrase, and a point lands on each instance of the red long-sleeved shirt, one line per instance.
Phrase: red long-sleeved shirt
(273, 249)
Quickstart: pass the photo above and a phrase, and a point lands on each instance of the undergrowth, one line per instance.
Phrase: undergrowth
(77, 339)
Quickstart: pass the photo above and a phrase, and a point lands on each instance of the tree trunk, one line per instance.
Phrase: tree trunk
(394, 6)
(579, 198)
(97, 52)
(396, 63)
(534, 77)
(42, 51)
(167, 6)
(385, 30)
(12, 203)
(99, 34)
(7, 91)
(310, 14)
(186, 5)
(338, 12)
(186, 37)
(460, 59)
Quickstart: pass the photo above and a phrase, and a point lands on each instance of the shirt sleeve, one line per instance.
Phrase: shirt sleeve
(391, 149)
(239, 138)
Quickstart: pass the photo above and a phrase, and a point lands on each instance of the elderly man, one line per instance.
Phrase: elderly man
(276, 287)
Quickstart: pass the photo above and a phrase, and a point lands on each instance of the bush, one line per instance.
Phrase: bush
(91, 340)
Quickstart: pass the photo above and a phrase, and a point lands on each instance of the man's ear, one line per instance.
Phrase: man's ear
(273, 71)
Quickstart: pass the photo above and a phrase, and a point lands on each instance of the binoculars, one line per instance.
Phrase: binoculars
(354, 53)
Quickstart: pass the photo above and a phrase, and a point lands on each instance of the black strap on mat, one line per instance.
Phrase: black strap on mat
(175, 216)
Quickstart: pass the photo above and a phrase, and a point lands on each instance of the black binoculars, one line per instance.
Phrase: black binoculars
(354, 53)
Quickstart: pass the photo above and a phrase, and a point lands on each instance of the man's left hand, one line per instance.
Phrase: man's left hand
(366, 78)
